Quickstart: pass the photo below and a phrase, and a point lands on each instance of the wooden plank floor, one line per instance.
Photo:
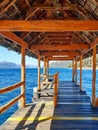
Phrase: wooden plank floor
(73, 112)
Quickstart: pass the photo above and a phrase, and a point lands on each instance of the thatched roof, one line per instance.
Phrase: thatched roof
(49, 10)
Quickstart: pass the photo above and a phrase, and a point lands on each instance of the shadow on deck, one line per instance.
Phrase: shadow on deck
(72, 112)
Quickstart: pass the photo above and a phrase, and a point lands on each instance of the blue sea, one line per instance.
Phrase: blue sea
(9, 77)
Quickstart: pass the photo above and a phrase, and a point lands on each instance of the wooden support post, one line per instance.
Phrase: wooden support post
(55, 89)
(45, 66)
(94, 78)
(76, 70)
(39, 73)
(73, 70)
(22, 101)
(81, 57)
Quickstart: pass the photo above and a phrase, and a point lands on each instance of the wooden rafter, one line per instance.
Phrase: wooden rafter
(8, 6)
(60, 47)
(48, 25)
(27, 2)
(42, 7)
(14, 38)
(30, 13)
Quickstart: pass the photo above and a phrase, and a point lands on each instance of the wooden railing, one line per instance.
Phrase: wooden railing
(55, 88)
(45, 77)
(8, 89)
(55, 82)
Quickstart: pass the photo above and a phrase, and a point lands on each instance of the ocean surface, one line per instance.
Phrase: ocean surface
(11, 76)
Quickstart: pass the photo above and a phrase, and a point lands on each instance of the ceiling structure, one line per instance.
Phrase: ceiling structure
(69, 41)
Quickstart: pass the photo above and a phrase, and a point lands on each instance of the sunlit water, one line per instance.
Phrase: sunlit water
(11, 76)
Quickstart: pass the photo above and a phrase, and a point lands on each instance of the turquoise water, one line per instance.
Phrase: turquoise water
(11, 76)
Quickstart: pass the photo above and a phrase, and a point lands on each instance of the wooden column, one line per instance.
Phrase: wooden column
(47, 66)
(44, 65)
(94, 78)
(39, 73)
(73, 70)
(81, 57)
(55, 89)
(47, 69)
(22, 101)
(76, 70)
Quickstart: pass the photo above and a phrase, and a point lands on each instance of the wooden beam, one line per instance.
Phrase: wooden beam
(48, 25)
(60, 47)
(60, 58)
(54, 53)
(13, 37)
(81, 58)
(94, 78)
(92, 45)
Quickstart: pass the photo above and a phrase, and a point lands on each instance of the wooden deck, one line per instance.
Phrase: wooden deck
(73, 112)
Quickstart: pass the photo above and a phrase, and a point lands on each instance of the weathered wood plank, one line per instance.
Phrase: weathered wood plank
(65, 116)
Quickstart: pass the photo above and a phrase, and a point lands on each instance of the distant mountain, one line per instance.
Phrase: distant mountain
(87, 62)
(13, 65)
(59, 64)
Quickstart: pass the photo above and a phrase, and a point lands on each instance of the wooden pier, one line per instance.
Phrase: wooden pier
(52, 30)
(73, 111)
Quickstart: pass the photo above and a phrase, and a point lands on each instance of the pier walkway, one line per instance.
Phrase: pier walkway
(72, 112)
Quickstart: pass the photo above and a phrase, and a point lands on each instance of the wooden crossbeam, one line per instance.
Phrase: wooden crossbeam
(48, 25)
(13, 37)
(93, 44)
(60, 58)
(60, 47)
(55, 53)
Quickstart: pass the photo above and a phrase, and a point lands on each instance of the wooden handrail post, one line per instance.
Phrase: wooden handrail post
(39, 73)
(23, 99)
(81, 57)
(94, 78)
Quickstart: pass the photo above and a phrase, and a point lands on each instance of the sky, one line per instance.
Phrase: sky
(12, 56)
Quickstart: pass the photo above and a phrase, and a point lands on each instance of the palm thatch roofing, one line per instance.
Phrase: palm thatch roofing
(40, 42)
